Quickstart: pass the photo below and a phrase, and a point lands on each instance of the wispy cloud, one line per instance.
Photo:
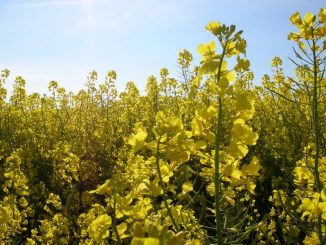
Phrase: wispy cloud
(124, 16)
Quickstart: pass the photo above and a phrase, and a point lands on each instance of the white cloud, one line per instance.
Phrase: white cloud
(128, 15)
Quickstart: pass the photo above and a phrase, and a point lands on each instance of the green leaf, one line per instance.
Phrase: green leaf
(224, 83)
(138, 230)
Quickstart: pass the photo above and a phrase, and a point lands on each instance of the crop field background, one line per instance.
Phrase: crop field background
(204, 157)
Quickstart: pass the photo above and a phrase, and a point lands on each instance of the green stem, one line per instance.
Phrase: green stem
(175, 225)
(218, 135)
(316, 121)
(317, 139)
(217, 175)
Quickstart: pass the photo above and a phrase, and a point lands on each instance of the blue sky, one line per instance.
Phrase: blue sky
(63, 40)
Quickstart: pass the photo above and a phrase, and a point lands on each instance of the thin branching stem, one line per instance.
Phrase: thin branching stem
(174, 223)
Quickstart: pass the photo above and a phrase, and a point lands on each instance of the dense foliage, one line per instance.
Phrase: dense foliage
(205, 158)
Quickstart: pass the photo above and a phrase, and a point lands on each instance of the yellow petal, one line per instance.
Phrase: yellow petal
(214, 27)
(309, 18)
(296, 19)
(187, 187)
